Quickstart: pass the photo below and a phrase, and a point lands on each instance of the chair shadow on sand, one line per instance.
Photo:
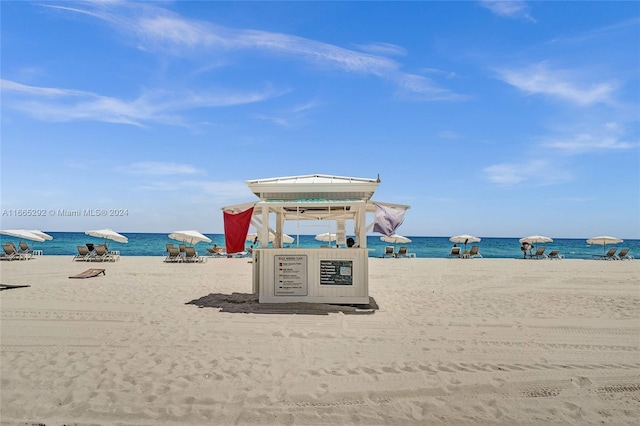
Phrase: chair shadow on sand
(244, 303)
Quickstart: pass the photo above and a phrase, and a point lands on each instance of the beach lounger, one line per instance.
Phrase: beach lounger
(10, 252)
(455, 252)
(83, 254)
(173, 256)
(216, 251)
(24, 248)
(89, 273)
(103, 254)
(555, 254)
(402, 252)
(474, 252)
(388, 252)
(190, 255)
(539, 254)
(624, 255)
(610, 255)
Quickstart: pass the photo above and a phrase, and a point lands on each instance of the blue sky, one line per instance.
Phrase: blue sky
(492, 118)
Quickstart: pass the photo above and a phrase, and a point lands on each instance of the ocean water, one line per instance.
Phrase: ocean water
(153, 244)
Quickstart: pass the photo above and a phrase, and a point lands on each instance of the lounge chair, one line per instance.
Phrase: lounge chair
(216, 251)
(103, 254)
(173, 256)
(610, 255)
(624, 255)
(190, 255)
(83, 254)
(24, 248)
(89, 273)
(555, 254)
(455, 252)
(402, 252)
(539, 254)
(182, 248)
(474, 252)
(10, 252)
(388, 252)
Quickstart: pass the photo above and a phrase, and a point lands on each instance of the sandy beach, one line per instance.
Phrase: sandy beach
(482, 341)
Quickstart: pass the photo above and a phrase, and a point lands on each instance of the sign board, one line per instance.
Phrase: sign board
(291, 275)
(336, 272)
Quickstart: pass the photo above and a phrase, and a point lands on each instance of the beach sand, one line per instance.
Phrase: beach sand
(481, 341)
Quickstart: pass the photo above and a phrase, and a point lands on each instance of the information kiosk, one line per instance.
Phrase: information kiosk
(331, 272)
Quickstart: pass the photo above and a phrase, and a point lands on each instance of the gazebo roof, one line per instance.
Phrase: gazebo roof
(314, 197)
(310, 187)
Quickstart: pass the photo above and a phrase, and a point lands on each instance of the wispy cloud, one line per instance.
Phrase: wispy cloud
(417, 87)
(218, 191)
(157, 168)
(517, 9)
(538, 172)
(609, 136)
(61, 105)
(563, 84)
(161, 30)
(386, 49)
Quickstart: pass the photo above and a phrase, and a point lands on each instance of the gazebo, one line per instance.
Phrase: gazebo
(326, 274)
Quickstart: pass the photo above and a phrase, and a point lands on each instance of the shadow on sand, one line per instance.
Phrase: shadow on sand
(244, 303)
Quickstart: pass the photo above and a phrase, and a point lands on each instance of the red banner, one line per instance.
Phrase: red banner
(236, 227)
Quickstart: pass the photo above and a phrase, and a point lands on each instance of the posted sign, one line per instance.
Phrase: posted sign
(291, 275)
(336, 272)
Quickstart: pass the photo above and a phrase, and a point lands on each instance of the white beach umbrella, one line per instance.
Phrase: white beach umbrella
(22, 234)
(464, 238)
(287, 239)
(107, 234)
(190, 236)
(603, 240)
(395, 239)
(41, 234)
(326, 237)
(535, 239)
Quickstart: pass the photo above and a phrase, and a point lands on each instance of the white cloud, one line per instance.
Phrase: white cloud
(156, 168)
(417, 87)
(585, 142)
(561, 84)
(509, 8)
(537, 172)
(160, 29)
(383, 49)
(61, 105)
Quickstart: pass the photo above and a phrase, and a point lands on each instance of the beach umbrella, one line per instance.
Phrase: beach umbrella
(22, 234)
(326, 237)
(41, 234)
(464, 238)
(395, 239)
(107, 234)
(191, 237)
(287, 239)
(603, 240)
(535, 239)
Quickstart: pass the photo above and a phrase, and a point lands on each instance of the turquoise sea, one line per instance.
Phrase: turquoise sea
(153, 244)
